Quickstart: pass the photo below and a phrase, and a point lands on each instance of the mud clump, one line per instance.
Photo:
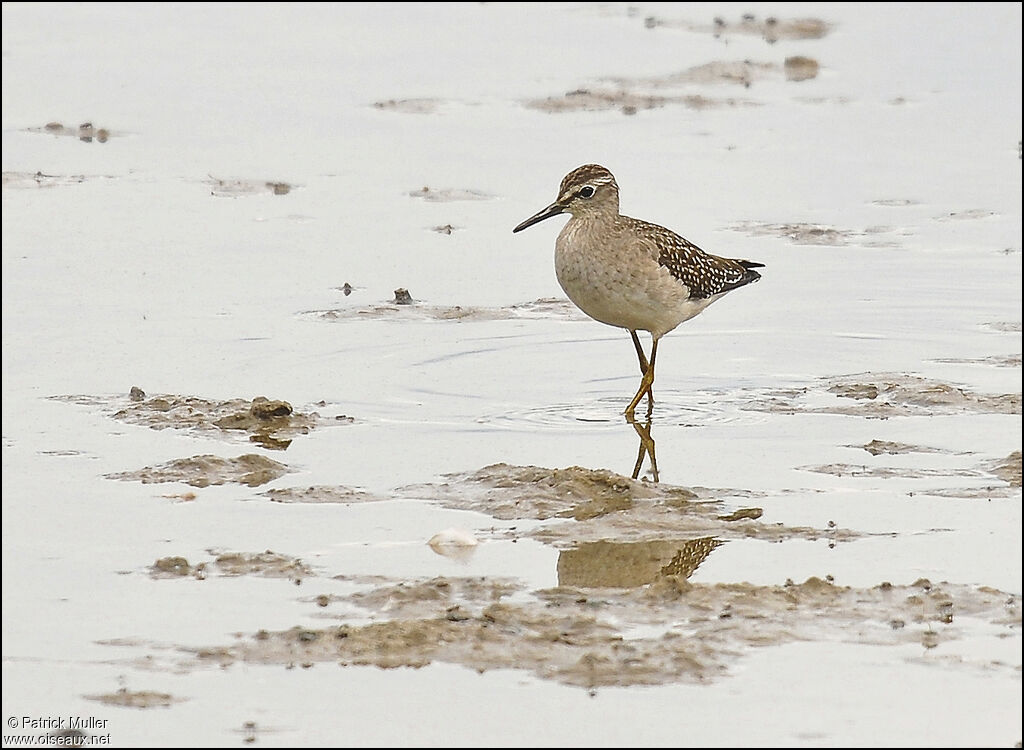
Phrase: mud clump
(271, 423)
(878, 447)
(239, 188)
(171, 567)
(800, 68)
(1008, 469)
(267, 421)
(250, 469)
(86, 132)
(267, 564)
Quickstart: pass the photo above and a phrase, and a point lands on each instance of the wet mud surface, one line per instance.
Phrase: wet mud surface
(623, 612)
(668, 631)
(625, 582)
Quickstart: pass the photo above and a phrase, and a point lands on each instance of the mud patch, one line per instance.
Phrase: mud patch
(448, 195)
(736, 72)
(878, 447)
(239, 188)
(125, 698)
(271, 423)
(23, 180)
(895, 202)
(1004, 326)
(969, 214)
(409, 106)
(771, 28)
(628, 102)
(1007, 469)
(816, 234)
(598, 505)
(510, 492)
(250, 469)
(800, 68)
(267, 564)
(86, 132)
(542, 308)
(321, 494)
(889, 472)
(885, 395)
(1009, 360)
(589, 637)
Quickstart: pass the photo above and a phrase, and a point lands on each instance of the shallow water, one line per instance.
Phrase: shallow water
(843, 436)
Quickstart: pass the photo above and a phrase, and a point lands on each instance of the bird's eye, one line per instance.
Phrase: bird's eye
(586, 192)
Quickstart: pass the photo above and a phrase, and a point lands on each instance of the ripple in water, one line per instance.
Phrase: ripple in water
(676, 408)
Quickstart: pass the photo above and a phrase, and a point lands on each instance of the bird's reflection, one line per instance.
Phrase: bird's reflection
(629, 564)
(643, 431)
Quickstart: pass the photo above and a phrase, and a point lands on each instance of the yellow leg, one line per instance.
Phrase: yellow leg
(639, 352)
(645, 384)
(643, 431)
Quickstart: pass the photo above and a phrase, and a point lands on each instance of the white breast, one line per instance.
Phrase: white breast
(619, 282)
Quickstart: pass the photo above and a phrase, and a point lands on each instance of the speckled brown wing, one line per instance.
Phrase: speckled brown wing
(705, 275)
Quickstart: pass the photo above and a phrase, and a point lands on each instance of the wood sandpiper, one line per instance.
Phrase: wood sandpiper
(630, 273)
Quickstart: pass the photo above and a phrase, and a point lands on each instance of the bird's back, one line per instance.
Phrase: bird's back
(704, 274)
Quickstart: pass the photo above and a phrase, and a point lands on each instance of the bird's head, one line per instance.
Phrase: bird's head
(585, 191)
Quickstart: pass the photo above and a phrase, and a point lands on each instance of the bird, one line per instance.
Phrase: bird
(631, 273)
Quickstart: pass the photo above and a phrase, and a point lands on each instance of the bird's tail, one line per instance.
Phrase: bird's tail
(750, 275)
